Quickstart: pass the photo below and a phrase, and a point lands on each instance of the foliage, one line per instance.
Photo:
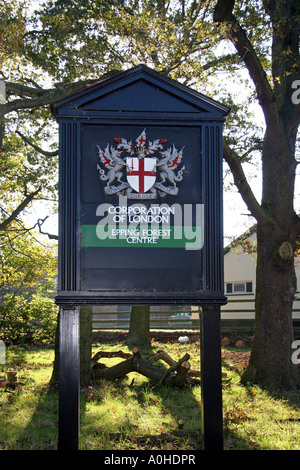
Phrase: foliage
(28, 320)
(74, 40)
(26, 286)
(27, 173)
(12, 27)
(77, 38)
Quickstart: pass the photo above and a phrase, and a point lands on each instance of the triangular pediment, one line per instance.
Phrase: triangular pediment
(141, 96)
(139, 91)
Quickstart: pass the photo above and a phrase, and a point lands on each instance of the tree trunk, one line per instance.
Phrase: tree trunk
(139, 327)
(278, 225)
(270, 363)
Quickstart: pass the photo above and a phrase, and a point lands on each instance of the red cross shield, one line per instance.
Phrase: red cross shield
(141, 173)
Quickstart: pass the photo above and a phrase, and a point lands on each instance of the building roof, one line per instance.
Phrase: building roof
(239, 240)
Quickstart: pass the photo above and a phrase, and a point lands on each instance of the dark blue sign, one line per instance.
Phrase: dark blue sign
(140, 193)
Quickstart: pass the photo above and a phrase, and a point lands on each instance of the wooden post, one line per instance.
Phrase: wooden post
(211, 378)
(69, 379)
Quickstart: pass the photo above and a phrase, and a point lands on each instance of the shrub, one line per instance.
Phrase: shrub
(25, 319)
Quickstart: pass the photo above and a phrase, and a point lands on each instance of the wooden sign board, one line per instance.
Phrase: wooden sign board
(140, 193)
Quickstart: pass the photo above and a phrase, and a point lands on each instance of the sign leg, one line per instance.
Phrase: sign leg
(211, 378)
(68, 379)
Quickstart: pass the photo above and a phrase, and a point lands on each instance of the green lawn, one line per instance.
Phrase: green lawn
(134, 414)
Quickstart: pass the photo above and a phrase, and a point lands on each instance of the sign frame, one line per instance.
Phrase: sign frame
(140, 98)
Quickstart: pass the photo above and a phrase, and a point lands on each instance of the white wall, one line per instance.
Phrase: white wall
(240, 267)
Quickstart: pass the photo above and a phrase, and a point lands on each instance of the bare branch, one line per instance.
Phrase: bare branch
(36, 147)
(41, 97)
(22, 90)
(19, 209)
(49, 235)
(247, 53)
(242, 184)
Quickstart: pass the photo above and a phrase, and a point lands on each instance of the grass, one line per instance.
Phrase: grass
(133, 414)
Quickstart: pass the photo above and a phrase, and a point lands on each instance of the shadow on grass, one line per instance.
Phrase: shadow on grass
(233, 442)
(42, 430)
(39, 431)
(127, 423)
(121, 426)
(137, 414)
(28, 410)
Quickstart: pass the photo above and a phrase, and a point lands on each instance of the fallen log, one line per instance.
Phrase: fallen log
(109, 354)
(162, 355)
(176, 375)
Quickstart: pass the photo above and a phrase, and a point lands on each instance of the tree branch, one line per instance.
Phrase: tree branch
(19, 209)
(36, 147)
(41, 97)
(242, 184)
(23, 90)
(247, 53)
(232, 58)
(49, 235)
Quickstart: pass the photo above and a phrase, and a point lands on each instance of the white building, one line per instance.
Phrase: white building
(240, 278)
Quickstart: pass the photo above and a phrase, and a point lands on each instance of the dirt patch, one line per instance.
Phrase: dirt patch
(236, 359)
(161, 336)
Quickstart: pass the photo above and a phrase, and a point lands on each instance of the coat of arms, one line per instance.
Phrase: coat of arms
(132, 169)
